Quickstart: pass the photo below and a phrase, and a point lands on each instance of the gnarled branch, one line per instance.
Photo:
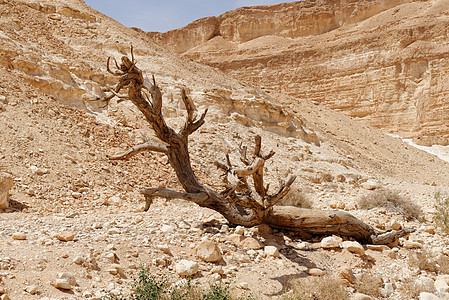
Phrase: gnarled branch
(239, 203)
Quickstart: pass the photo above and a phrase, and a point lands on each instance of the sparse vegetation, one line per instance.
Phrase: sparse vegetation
(295, 197)
(424, 261)
(314, 288)
(441, 217)
(148, 287)
(370, 284)
(413, 289)
(391, 200)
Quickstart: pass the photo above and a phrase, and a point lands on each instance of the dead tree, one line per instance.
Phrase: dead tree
(242, 202)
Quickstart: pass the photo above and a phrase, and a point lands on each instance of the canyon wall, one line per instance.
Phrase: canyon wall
(383, 62)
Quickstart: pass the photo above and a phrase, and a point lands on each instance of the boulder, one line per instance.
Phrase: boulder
(186, 267)
(353, 247)
(330, 242)
(208, 251)
(6, 183)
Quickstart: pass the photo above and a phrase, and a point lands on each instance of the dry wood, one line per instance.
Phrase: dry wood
(239, 203)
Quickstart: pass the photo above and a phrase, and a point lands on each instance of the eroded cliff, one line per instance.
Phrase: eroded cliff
(384, 62)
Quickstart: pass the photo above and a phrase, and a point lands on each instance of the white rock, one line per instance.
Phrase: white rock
(428, 296)
(215, 277)
(70, 277)
(354, 247)
(412, 245)
(6, 183)
(244, 285)
(271, 251)
(360, 296)
(441, 285)
(62, 284)
(186, 267)
(239, 230)
(371, 185)
(208, 251)
(168, 229)
(218, 270)
(330, 242)
(32, 289)
(315, 272)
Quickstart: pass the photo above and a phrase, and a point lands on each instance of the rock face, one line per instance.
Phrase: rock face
(380, 61)
(6, 183)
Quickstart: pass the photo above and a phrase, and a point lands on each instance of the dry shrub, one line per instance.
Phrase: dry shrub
(317, 288)
(369, 284)
(413, 289)
(441, 217)
(295, 197)
(391, 200)
(424, 261)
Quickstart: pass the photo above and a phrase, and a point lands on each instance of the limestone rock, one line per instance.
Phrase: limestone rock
(271, 251)
(330, 242)
(428, 296)
(32, 289)
(19, 236)
(315, 272)
(6, 183)
(412, 244)
(236, 239)
(441, 285)
(62, 283)
(371, 185)
(65, 236)
(69, 276)
(4, 297)
(251, 243)
(186, 267)
(208, 251)
(360, 296)
(347, 274)
(354, 247)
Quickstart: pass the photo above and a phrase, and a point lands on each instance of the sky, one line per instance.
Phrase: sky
(164, 15)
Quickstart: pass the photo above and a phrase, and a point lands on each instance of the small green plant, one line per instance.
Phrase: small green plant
(314, 288)
(391, 200)
(148, 287)
(441, 217)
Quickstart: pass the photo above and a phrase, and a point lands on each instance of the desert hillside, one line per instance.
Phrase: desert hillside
(75, 227)
(382, 62)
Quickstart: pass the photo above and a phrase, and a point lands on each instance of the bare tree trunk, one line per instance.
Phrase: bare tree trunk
(239, 203)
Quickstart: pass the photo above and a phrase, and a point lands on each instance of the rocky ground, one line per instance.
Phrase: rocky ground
(75, 227)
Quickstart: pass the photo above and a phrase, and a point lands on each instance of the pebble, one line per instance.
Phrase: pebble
(70, 277)
(315, 272)
(65, 236)
(186, 267)
(165, 248)
(19, 236)
(412, 245)
(330, 242)
(239, 230)
(168, 229)
(353, 247)
(79, 260)
(218, 270)
(32, 289)
(251, 243)
(4, 297)
(271, 251)
(62, 283)
(244, 285)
